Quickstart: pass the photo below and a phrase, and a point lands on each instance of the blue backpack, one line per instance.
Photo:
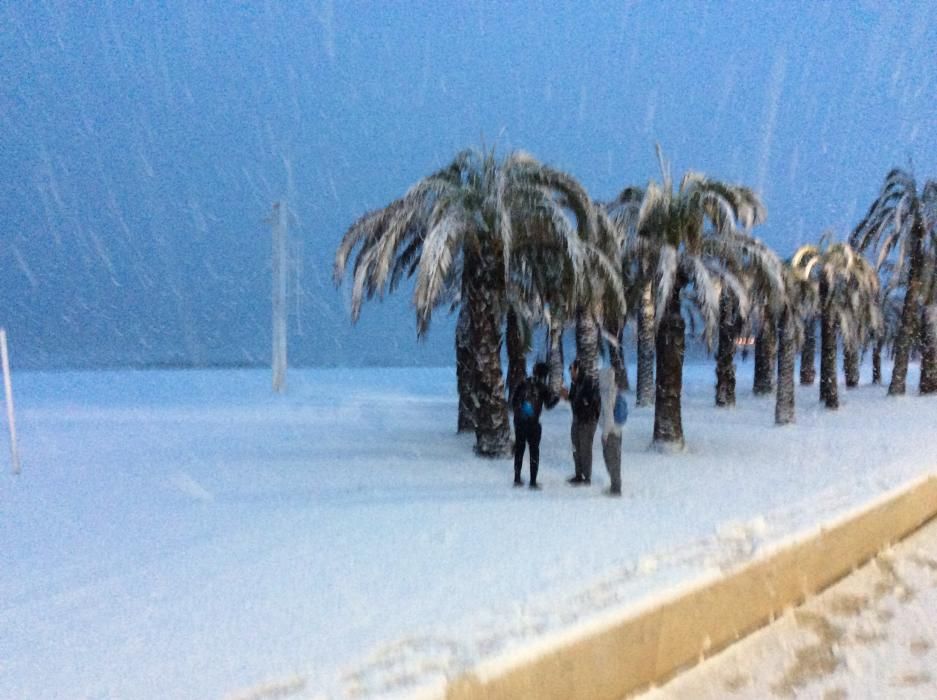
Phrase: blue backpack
(527, 409)
(621, 409)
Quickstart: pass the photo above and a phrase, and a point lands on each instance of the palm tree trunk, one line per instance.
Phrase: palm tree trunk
(645, 389)
(668, 421)
(903, 342)
(784, 403)
(725, 351)
(766, 350)
(877, 362)
(555, 355)
(928, 384)
(587, 343)
(517, 357)
(465, 368)
(492, 429)
(616, 329)
(828, 389)
(808, 355)
(851, 358)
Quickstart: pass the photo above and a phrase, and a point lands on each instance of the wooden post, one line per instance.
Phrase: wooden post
(8, 389)
(280, 262)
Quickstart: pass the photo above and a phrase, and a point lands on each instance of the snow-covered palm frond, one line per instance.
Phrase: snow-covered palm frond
(608, 236)
(739, 291)
(750, 209)
(706, 287)
(363, 229)
(502, 215)
(888, 225)
(666, 278)
(362, 281)
(805, 259)
(652, 214)
(692, 181)
(929, 206)
(606, 283)
(752, 259)
(624, 210)
(572, 196)
(403, 223)
(439, 250)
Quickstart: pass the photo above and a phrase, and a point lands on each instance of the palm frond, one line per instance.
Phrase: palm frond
(666, 278)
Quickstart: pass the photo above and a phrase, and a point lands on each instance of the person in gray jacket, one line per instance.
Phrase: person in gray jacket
(611, 429)
(583, 396)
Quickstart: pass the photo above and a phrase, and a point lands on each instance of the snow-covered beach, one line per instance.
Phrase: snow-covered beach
(188, 534)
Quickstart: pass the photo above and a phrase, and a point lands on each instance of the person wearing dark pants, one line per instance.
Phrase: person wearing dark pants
(527, 433)
(528, 400)
(614, 413)
(583, 396)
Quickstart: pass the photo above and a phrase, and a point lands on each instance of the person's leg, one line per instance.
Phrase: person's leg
(574, 439)
(611, 451)
(587, 435)
(534, 439)
(520, 438)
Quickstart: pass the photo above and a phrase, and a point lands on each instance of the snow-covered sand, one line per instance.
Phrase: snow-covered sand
(188, 534)
(872, 635)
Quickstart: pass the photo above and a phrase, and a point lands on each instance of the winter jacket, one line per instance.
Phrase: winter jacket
(537, 393)
(584, 399)
(608, 390)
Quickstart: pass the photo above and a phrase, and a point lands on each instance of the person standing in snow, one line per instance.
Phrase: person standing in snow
(614, 413)
(583, 396)
(528, 400)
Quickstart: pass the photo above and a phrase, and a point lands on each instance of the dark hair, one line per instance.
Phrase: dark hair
(574, 365)
(541, 370)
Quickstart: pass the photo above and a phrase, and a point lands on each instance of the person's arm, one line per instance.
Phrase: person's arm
(549, 398)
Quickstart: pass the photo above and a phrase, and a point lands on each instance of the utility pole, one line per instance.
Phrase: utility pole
(8, 392)
(278, 221)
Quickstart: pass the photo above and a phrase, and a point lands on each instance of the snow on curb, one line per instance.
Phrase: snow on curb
(647, 644)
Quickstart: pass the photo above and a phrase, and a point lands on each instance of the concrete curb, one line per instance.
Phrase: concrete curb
(649, 646)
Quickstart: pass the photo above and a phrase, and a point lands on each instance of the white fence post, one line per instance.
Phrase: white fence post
(8, 389)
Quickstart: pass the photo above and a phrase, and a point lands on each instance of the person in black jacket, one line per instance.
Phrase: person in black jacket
(527, 400)
(583, 395)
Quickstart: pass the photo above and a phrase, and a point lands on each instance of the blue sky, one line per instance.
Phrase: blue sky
(142, 143)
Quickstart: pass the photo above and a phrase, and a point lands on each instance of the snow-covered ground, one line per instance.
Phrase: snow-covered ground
(871, 636)
(187, 534)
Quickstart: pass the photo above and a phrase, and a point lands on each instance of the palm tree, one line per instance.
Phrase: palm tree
(808, 354)
(517, 335)
(766, 350)
(797, 304)
(848, 299)
(752, 282)
(639, 263)
(554, 358)
(733, 309)
(693, 231)
(465, 369)
(455, 230)
(890, 302)
(897, 226)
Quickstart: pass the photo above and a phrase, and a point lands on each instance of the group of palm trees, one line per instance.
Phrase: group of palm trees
(515, 244)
